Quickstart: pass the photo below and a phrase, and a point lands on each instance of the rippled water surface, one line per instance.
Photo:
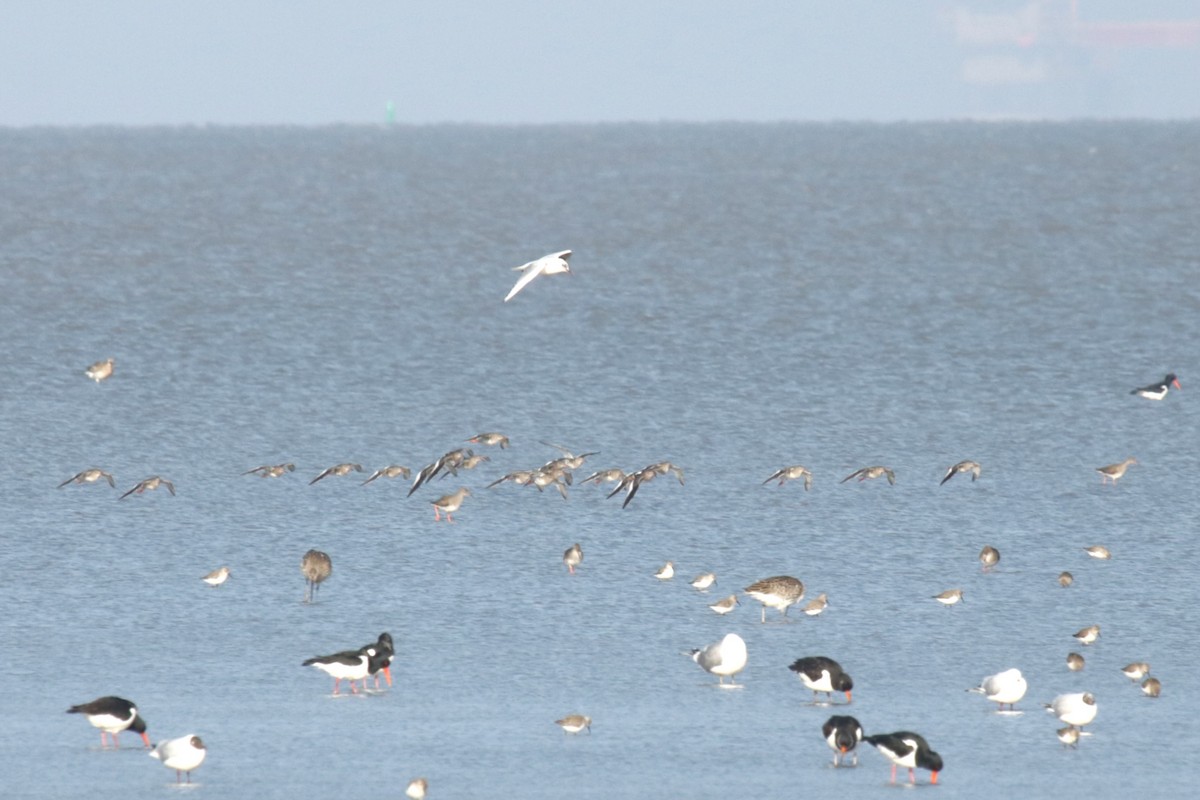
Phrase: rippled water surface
(743, 298)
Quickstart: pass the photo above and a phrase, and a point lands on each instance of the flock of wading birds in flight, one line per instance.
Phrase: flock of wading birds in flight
(725, 658)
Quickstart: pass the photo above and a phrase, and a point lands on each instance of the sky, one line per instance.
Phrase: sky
(314, 62)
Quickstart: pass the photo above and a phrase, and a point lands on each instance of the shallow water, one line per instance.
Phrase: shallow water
(743, 297)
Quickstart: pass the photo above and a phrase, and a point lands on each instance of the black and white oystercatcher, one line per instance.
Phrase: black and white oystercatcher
(349, 665)
(907, 749)
(112, 715)
(1157, 391)
(823, 675)
(842, 734)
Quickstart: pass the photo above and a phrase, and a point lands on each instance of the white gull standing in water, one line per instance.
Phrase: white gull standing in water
(724, 659)
(183, 755)
(1003, 687)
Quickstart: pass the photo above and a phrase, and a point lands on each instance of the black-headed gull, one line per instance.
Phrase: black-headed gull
(1077, 709)
(182, 755)
(546, 265)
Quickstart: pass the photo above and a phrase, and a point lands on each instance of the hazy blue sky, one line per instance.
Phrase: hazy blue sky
(511, 61)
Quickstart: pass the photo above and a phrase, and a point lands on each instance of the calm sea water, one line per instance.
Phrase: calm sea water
(743, 298)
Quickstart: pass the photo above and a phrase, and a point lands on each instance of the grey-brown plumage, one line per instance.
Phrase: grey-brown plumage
(569, 460)
(778, 592)
(449, 462)
(337, 469)
(150, 484)
(101, 370)
(390, 471)
(1075, 662)
(575, 723)
(726, 605)
(490, 439)
(1114, 472)
(1151, 687)
(89, 476)
(790, 474)
(573, 557)
(989, 557)
(963, 466)
(450, 503)
(521, 477)
(870, 473)
(469, 462)
(1136, 670)
(1065, 579)
(816, 607)
(317, 567)
(949, 597)
(613, 475)
(271, 470)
